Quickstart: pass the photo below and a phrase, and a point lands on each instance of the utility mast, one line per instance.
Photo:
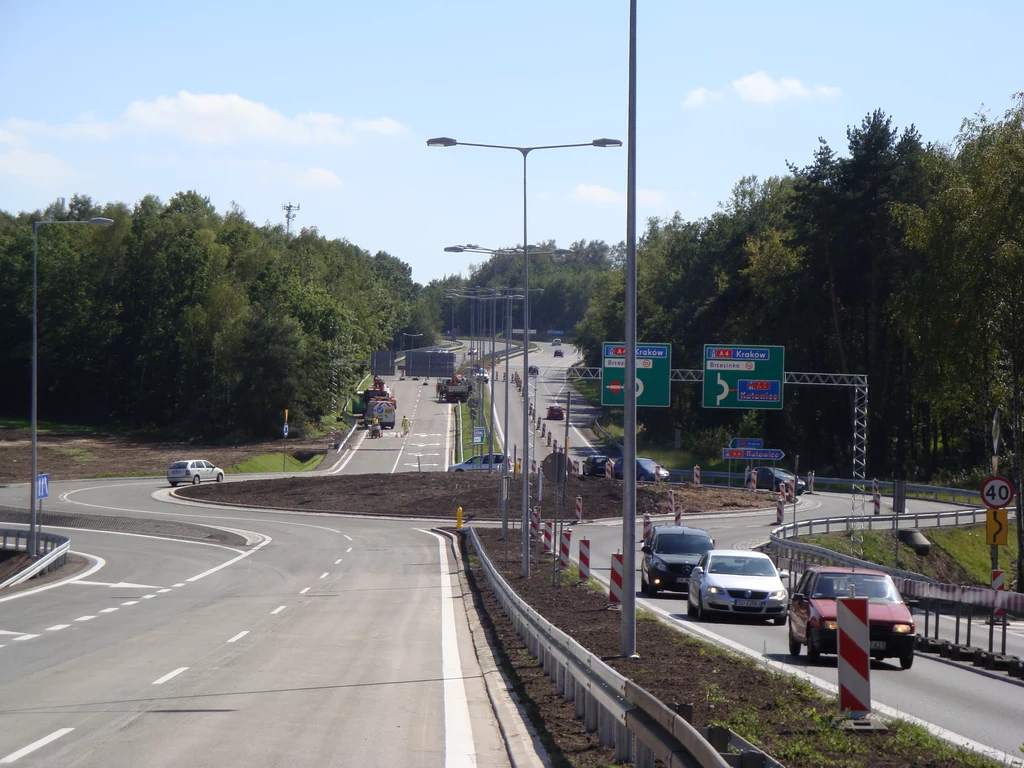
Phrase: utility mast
(289, 214)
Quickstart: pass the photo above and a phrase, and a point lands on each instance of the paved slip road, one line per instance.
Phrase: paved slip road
(325, 641)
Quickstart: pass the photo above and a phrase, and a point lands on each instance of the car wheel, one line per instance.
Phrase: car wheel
(196, 480)
(794, 644)
(459, 470)
(174, 485)
(907, 660)
(813, 652)
(779, 621)
(652, 591)
(220, 477)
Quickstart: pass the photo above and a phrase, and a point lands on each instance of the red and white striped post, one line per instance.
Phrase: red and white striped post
(657, 475)
(609, 469)
(584, 559)
(579, 509)
(780, 507)
(810, 482)
(549, 534)
(564, 541)
(751, 479)
(696, 475)
(791, 484)
(998, 584)
(543, 430)
(647, 526)
(535, 523)
(615, 585)
(672, 500)
(549, 439)
(854, 656)
(876, 497)
(533, 466)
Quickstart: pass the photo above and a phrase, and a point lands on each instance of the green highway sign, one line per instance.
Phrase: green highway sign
(653, 374)
(743, 376)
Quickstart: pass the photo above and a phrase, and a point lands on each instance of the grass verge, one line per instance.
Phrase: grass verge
(271, 462)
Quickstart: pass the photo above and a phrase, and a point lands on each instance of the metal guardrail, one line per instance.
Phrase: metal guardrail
(605, 436)
(639, 727)
(54, 553)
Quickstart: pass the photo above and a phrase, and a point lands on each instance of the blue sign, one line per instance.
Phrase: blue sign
(555, 332)
(755, 454)
(746, 442)
(42, 486)
(285, 430)
(642, 350)
(478, 435)
(759, 391)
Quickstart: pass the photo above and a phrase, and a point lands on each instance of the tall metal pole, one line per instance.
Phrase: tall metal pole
(490, 441)
(32, 548)
(508, 350)
(526, 387)
(628, 633)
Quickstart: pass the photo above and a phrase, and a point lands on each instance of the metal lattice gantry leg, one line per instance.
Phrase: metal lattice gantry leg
(859, 499)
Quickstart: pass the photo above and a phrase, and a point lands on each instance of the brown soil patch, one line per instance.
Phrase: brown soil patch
(783, 717)
(73, 455)
(438, 494)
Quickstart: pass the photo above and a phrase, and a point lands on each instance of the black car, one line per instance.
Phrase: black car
(770, 478)
(559, 353)
(669, 557)
(646, 469)
(595, 465)
(534, 370)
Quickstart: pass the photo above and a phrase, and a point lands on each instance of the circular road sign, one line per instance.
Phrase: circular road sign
(996, 492)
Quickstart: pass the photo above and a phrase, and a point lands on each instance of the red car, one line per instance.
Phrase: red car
(556, 412)
(812, 613)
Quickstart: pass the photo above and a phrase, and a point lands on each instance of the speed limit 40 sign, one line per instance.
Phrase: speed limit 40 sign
(996, 492)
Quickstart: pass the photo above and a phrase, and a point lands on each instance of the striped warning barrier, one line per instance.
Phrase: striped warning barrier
(584, 559)
(998, 585)
(564, 541)
(810, 482)
(876, 497)
(696, 475)
(657, 474)
(535, 523)
(780, 508)
(791, 485)
(543, 430)
(615, 585)
(671, 500)
(549, 534)
(647, 526)
(609, 469)
(549, 439)
(579, 509)
(854, 656)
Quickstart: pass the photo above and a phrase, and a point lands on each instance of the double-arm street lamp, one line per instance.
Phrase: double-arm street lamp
(97, 221)
(411, 336)
(444, 141)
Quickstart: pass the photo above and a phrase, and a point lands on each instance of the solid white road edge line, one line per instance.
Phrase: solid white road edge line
(100, 562)
(459, 748)
(233, 560)
(126, 533)
(239, 636)
(169, 675)
(36, 745)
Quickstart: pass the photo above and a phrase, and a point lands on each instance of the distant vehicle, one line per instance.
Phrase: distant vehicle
(193, 471)
(646, 469)
(594, 465)
(670, 556)
(472, 352)
(556, 342)
(559, 353)
(481, 373)
(556, 412)
(770, 478)
(738, 582)
(534, 370)
(812, 613)
(481, 463)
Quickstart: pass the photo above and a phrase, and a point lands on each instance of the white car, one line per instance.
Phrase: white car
(193, 471)
(481, 463)
(738, 582)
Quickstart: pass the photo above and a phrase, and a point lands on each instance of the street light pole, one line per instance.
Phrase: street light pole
(97, 221)
(445, 141)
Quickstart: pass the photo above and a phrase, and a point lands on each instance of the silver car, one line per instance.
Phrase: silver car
(193, 471)
(481, 463)
(738, 582)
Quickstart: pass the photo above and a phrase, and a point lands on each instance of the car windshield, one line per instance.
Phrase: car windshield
(742, 566)
(878, 588)
(682, 544)
(783, 474)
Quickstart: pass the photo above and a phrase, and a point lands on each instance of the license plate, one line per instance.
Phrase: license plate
(878, 645)
(748, 603)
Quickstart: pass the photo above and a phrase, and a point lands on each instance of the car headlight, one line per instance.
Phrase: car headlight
(830, 625)
(779, 594)
(902, 629)
(658, 563)
(714, 590)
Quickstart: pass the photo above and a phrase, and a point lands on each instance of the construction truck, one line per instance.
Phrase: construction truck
(455, 389)
(378, 391)
(384, 409)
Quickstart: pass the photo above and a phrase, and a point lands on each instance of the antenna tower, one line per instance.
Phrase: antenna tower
(289, 214)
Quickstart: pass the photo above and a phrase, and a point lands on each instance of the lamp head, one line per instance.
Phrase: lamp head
(99, 221)
(454, 249)
(441, 141)
(606, 143)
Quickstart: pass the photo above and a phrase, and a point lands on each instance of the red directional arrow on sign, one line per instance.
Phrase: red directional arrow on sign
(615, 387)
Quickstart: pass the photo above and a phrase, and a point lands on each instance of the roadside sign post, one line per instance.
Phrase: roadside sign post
(997, 493)
(743, 376)
(653, 374)
(42, 491)
(284, 443)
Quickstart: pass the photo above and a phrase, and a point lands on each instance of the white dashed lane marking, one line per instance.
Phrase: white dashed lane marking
(169, 675)
(239, 636)
(35, 745)
(57, 627)
(277, 610)
(304, 591)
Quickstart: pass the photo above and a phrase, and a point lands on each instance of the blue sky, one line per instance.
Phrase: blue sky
(329, 105)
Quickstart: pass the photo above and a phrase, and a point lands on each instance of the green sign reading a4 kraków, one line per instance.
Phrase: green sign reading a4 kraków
(653, 374)
(738, 376)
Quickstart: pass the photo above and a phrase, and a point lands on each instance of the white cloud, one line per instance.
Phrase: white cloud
(698, 97)
(211, 119)
(649, 196)
(315, 177)
(34, 168)
(6, 137)
(761, 88)
(592, 193)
